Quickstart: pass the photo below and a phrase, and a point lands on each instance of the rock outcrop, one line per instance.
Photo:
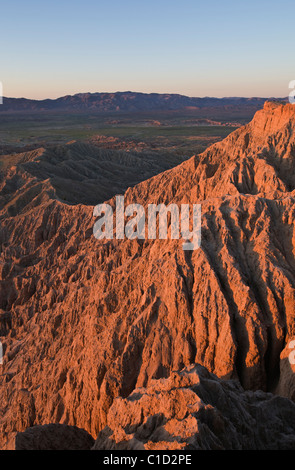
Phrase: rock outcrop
(53, 437)
(75, 173)
(194, 410)
(93, 320)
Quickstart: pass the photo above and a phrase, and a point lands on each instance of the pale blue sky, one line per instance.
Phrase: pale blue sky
(196, 48)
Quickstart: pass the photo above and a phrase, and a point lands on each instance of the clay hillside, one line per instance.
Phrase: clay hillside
(93, 331)
(76, 173)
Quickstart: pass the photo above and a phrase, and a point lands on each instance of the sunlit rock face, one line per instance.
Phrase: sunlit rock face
(87, 321)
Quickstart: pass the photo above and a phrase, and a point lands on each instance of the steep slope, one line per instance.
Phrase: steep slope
(86, 321)
(190, 410)
(76, 173)
(194, 410)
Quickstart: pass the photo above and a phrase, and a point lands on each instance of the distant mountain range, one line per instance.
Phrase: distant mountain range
(125, 102)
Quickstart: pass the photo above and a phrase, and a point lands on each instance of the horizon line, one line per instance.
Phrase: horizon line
(146, 93)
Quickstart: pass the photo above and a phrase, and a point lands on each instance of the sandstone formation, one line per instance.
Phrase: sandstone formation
(76, 173)
(194, 410)
(93, 320)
